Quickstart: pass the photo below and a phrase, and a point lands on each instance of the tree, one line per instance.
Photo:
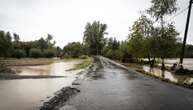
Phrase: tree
(164, 43)
(49, 39)
(5, 44)
(124, 52)
(74, 49)
(42, 44)
(141, 32)
(94, 37)
(16, 37)
(159, 10)
(111, 50)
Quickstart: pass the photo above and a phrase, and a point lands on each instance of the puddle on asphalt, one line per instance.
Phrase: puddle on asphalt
(180, 79)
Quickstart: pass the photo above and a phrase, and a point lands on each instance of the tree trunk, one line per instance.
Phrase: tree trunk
(149, 59)
(163, 65)
(152, 62)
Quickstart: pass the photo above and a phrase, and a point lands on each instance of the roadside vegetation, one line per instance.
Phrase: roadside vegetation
(150, 37)
(83, 64)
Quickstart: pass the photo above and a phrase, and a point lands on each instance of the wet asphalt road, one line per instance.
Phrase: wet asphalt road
(109, 87)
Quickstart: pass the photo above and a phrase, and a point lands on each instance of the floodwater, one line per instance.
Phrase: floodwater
(28, 94)
(188, 62)
(169, 76)
(57, 68)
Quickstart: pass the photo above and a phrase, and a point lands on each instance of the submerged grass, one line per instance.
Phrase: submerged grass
(85, 63)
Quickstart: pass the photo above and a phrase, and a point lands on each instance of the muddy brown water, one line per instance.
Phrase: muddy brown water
(28, 94)
(188, 62)
(181, 79)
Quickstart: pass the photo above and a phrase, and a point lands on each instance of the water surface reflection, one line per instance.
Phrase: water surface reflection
(169, 76)
(26, 94)
(56, 69)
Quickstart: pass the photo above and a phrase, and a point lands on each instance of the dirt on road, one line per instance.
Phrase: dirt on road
(110, 86)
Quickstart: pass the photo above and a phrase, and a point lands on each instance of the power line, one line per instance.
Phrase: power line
(182, 11)
(167, 21)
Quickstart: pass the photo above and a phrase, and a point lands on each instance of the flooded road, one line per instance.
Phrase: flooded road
(107, 86)
(28, 94)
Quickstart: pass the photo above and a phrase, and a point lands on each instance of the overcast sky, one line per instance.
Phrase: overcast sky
(66, 19)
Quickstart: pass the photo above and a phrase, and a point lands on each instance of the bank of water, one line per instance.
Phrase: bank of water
(28, 94)
(166, 75)
(188, 62)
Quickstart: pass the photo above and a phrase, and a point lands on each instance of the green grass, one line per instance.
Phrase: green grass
(85, 63)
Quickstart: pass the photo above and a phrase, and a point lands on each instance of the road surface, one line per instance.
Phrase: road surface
(109, 87)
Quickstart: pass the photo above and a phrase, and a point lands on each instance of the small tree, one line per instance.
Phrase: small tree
(5, 44)
(159, 10)
(141, 31)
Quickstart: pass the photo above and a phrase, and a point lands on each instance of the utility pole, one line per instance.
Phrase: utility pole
(186, 31)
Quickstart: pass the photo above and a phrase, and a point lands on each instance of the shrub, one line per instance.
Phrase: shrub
(114, 54)
(83, 57)
(19, 53)
(49, 53)
(35, 53)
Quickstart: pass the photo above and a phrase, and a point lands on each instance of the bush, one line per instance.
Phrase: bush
(83, 57)
(49, 53)
(114, 54)
(19, 53)
(35, 53)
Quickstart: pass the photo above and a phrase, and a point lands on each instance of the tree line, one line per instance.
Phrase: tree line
(149, 37)
(11, 46)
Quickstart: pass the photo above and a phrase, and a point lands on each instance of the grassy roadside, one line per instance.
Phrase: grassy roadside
(139, 68)
(83, 64)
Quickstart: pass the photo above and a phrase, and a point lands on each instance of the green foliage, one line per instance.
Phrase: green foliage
(111, 50)
(166, 42)
(83, 57)
(16, 37)
(141, 32)
(35, 53)
(42, 44)
(19, 53)
(114, 54)
(160, 8)
(49, 53)
(85, 63)
(189, 51)
(58, 51)
(5, 44)
(21, 49)
(94, 37)
(74, 49)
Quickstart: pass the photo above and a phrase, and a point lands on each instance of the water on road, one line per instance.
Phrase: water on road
(110, 87)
